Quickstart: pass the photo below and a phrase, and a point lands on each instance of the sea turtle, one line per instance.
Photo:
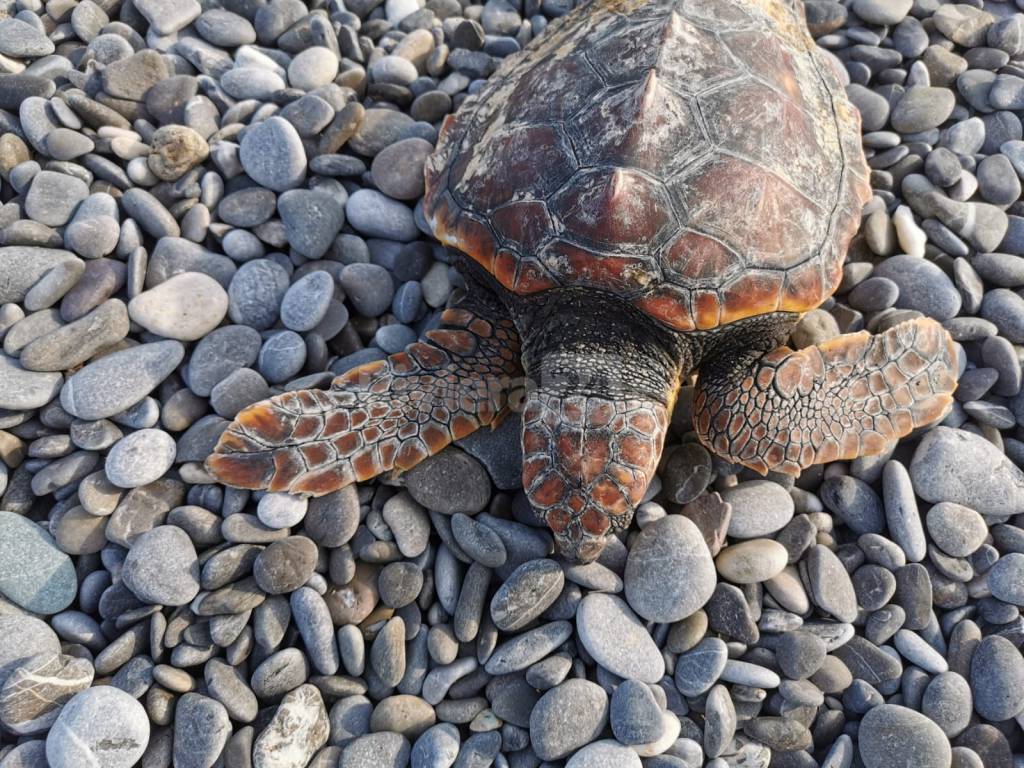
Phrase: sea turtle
(650, 188)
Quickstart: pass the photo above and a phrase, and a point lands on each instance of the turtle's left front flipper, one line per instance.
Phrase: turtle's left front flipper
(847, 397)
(385, 415)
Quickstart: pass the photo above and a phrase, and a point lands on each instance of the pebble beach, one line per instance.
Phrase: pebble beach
(204, 203)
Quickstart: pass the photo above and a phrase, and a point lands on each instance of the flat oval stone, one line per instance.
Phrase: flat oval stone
(669, 572)
(605, 754)
(255, 293)
(964, 468)
(615, 638)
(272, 154)
(162, 567)
(34, 573)
(526, 594)
(751, 562)
(119, 380)
(759, 508)
(22, 390)
(185, 307)
(580, 702)
(99, 726)
(699, 668)
(997, 679)
(140, 458)
(892, 735)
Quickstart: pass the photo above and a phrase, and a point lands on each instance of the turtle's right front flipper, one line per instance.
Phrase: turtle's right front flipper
(385, 415)
(847, 397)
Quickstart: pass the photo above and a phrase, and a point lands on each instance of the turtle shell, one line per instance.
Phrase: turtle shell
(696, 157)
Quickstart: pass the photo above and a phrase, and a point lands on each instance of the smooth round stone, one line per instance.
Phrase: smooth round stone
(373, 214)
(998, 182)
(615, 638)
(101, 726)
(947, 701)
(285, 565)
(604, 754)
(378, 129)
(281, 510)
(22, 40)
(404, 714)
(282, 357)
(225, 29)
(408, 522)
(65, 144)
(22, 390)
(307, 301)
(368, 287)
(955, 529)
(437, 746)
(923, 286)
(1006, 578)
(53, 197)
(313, 620)
(185, 307)
(34, 573)
(917, 651)
(529, 591)
(759, 508)
(140, 458)
(252, 83)
(449, 482)
(398, 169)
(201, 729)
(635, 714)
(220, 353)
(894, 735)
(964, 468)
(1006, 309)
(751, 562)
(313, 68)
(580, 702)
(854, 502)
(162, 567)
(272, 154)
(399, 584)
(255, 293)
(922, 108)
(312, 219)
(669, 573)
(901, 511)
(118, 381)
(394, 70)
(882, 12)
(375, 750)
(831, 587)
(699, 668)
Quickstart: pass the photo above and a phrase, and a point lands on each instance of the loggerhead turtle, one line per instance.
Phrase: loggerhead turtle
(652, 187)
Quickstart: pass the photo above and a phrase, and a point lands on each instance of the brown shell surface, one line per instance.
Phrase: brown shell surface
(698, 157)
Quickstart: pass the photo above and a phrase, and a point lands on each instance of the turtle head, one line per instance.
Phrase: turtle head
(587, 462)
(601, 384)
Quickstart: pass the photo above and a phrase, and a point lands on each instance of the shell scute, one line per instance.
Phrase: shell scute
(615, 207)
(758, 213)
(641, 124)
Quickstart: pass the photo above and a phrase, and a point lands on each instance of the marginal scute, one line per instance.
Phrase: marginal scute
(628, 149)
